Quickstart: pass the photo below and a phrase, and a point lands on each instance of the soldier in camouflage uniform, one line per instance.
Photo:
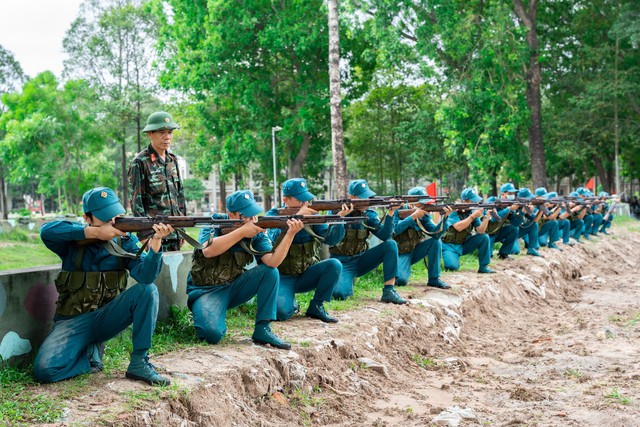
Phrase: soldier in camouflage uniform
(156, 187)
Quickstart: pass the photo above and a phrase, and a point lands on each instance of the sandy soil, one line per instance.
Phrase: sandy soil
(550, 341)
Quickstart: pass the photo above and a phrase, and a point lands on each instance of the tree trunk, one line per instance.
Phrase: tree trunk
(295, 165)
(533, 76)
(125, 182)
(3, 197)
(337, 136)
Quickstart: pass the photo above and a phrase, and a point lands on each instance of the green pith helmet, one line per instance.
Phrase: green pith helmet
(160, 120)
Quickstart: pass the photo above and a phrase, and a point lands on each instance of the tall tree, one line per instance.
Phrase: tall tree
(112, 45)
(337, 136)
(53, 141)
(533, 77)
(11, 78)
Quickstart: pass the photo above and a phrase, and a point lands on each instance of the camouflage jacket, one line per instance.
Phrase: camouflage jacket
(156, 187)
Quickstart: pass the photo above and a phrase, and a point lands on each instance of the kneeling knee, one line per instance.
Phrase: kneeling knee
(213, 336)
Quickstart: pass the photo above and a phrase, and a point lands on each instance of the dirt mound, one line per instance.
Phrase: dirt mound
(534, 344)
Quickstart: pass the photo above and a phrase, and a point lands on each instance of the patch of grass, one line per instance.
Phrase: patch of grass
(139, 399)
(425, 362)
(573, 373)
(19, 405)
(635, 319)
(615, 394)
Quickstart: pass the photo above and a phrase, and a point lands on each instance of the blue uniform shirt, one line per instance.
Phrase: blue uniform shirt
(456, 217)
(59, 236)
(403, 225)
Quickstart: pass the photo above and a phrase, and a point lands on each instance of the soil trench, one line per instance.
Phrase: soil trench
(549, 341)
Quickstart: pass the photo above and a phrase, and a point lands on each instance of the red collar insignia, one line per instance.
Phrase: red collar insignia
(153, 157)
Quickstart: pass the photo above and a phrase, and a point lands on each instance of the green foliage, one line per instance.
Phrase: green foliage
(193, 189)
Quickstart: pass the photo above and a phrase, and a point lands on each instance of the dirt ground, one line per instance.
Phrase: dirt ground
(550, 341)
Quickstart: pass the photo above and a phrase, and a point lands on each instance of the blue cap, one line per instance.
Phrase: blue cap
(541, 192)
(242, 201)
(470, 194)
(574, 194)
(551, 194)
(525, 193)
(603, 194)
(582, 191)
(297, 187)
(508, 188)
(420, 191)
(361, 189)
(491, 199)
(102, 203)
(589, 193)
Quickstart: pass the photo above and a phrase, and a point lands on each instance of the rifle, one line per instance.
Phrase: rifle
(142, 224)
(460, 207)
(361, 204)
(281, 221)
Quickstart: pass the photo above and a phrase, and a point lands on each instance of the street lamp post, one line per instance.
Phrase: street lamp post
(275, 177)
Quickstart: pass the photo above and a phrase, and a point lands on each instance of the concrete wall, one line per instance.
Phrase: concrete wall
(28, 297)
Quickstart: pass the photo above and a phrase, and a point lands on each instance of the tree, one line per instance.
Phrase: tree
(53, 141)
(533, 77)
(11, 78)
(112, 45)
(193, 189)
(337, 137)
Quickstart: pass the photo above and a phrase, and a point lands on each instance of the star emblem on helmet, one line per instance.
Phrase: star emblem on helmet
(166, 119)
(103, 194)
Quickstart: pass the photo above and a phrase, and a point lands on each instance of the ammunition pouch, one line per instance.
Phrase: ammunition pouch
(494, 226)
(354, 243)
(81, 292)
(453, 236)
(219, 270)
(300, 257)
(408, 240)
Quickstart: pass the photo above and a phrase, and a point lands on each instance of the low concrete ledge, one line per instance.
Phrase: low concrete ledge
(28, 298)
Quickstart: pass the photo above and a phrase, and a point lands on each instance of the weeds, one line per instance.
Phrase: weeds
(615, 394)
(425, 362)
(573, 373)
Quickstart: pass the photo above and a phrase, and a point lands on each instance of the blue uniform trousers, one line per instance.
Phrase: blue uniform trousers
(529, 235)
(549, 232)
(597, 222)
(430, 248)
(507, 235)
(606, 224)
(321, 276)
(576, 227)
(564, 229)
(210, 308)
(588, 223)
(386, 253)
(63, 353)
(452, 252)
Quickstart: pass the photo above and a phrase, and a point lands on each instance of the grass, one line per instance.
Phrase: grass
(575, 374)
(425, 362)
(20, 248)
(615, 395)
(19, 406)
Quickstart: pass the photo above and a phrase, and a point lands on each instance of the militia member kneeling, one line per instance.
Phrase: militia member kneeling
(221, 279)
(93, 305)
